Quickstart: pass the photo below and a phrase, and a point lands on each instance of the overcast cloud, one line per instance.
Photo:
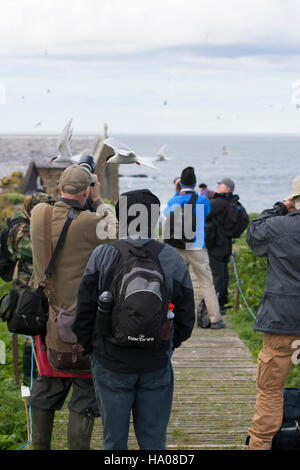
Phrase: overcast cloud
(192, 66)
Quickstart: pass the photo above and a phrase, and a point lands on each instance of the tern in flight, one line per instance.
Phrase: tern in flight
(64, 154)
(161, 156)
(124, 155)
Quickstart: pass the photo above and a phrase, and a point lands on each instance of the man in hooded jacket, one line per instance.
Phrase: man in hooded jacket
(276, 234)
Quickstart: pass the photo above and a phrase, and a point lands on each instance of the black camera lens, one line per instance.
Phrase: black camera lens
(88, 163)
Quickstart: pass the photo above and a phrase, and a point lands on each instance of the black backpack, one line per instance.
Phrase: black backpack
(236, 219)
(176, 223)
(139, 313)
(288, 437)
(7, 265)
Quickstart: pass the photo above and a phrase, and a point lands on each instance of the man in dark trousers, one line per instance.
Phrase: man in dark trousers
(276, 234)
(218, 242)
(130, 377)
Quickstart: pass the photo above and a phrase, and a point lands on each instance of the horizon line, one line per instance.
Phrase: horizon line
(152, 134)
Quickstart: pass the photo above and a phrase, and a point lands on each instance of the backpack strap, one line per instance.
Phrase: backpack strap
(193, 199)
(50, 260)
(48, 234)
(18, 220)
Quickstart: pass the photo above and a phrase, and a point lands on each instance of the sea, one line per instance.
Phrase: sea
(262, 166)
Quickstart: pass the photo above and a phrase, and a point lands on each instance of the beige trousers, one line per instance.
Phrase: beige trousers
(273, 366)
(199, 261)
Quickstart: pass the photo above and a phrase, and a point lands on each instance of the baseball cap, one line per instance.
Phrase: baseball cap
(228, 182)
(75, 179)
(295, 188)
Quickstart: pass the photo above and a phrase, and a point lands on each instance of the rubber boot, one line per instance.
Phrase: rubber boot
(80, 428)
(42, 425)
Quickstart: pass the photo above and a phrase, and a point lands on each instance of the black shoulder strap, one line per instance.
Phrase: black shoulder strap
(19, 220)
(72, 214)
(193, 199)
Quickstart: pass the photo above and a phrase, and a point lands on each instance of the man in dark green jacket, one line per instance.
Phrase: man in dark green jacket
(276, 235)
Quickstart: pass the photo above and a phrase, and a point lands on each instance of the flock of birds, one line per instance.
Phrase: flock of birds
(120, 153)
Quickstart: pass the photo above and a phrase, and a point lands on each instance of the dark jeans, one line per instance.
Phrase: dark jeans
(219, 269)
(50, 393)
(148, 396)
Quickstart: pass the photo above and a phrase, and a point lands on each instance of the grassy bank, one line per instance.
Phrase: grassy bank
(12, 412)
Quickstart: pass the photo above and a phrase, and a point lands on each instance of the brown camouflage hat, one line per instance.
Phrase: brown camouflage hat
(36, 198)
(75, 179)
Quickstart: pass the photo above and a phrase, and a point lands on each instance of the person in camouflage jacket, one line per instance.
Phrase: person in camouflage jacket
(18, 240)
(19, 247)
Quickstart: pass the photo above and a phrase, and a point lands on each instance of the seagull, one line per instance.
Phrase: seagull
(161, 157)
(123, 154)
(64, 149)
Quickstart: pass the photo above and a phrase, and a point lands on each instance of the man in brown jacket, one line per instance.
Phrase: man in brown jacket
(86, 232)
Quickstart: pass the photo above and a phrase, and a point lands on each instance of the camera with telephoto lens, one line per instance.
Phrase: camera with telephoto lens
(88, 162)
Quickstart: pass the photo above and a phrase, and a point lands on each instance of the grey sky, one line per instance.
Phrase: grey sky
(193, 66)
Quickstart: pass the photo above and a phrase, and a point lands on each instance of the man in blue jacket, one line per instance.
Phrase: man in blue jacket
(276, 235)
(195, 252)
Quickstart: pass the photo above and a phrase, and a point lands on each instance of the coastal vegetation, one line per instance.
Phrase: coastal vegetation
(11, 196)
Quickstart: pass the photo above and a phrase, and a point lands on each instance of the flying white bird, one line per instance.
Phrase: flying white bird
(161, 156)
(124, 155)
(64, 154)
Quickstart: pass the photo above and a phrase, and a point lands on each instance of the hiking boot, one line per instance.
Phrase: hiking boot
(80, 428)
(217, 325)
(42, 425)
(247, 442)
(223, 310)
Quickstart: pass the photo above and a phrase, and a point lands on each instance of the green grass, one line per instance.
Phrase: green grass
(13, 198)
(13, 431)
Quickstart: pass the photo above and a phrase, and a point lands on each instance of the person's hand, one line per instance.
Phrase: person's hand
(289, 204)
(95, 192)
(177, 186)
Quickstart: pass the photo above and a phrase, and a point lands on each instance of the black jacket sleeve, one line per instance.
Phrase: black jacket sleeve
(260, 232)
(217, 206)
(86, 311)
(92, 284)
(184, 309)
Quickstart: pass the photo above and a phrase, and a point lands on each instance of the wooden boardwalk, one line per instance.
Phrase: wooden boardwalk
(213, 399)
